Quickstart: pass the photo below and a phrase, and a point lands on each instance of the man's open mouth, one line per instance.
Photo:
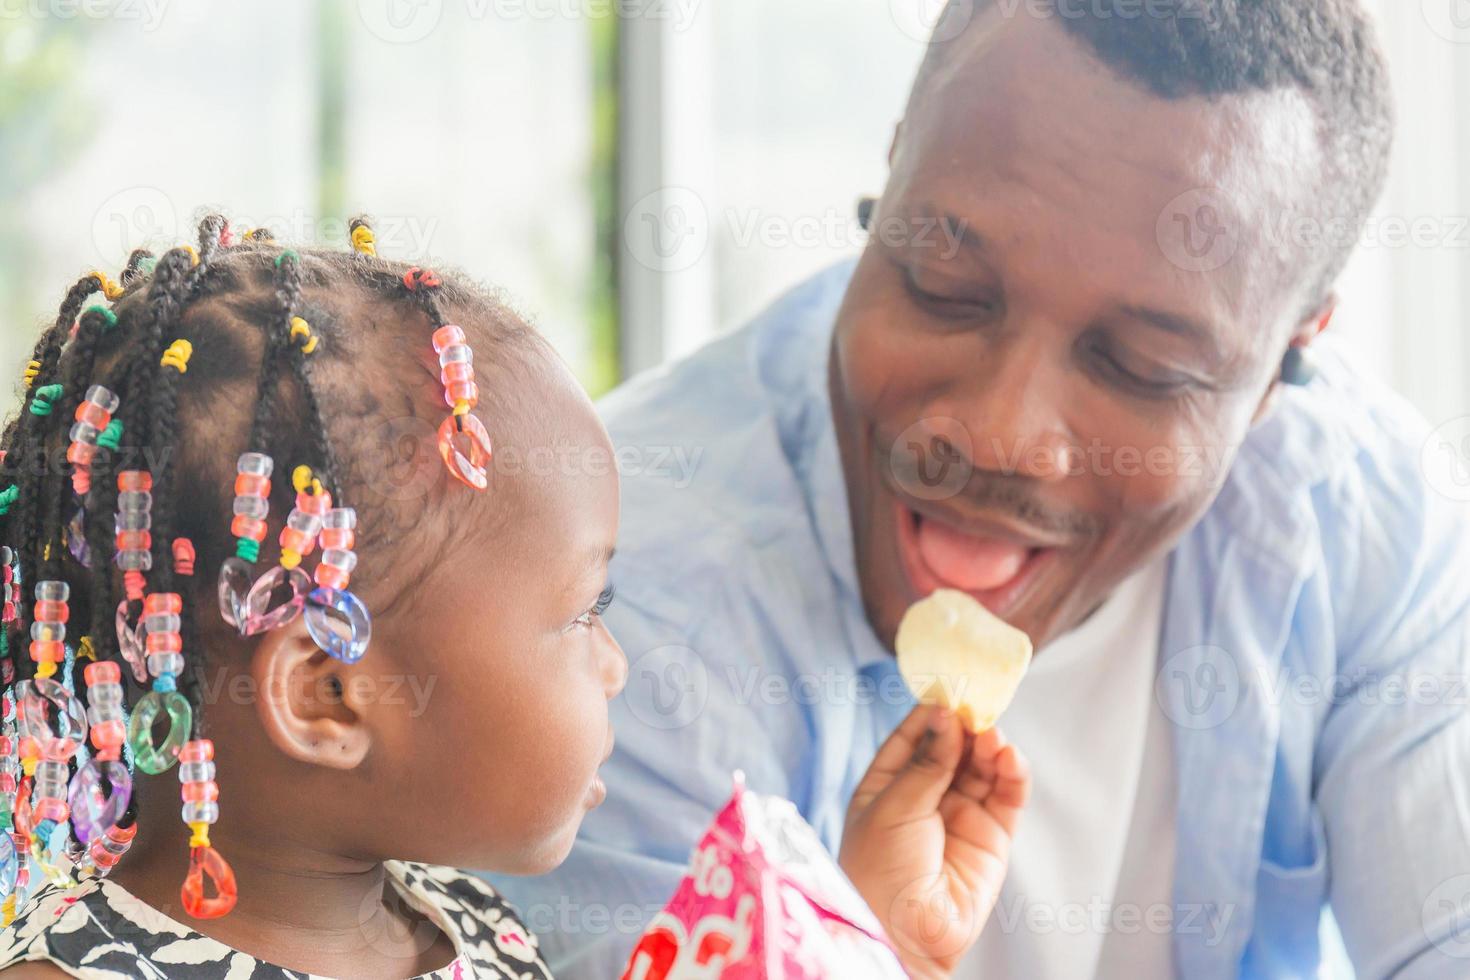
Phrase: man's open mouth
(993, 562)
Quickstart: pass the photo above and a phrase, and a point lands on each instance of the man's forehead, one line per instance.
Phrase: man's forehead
(1019, 100)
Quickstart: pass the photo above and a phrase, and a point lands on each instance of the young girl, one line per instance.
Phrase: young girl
(188, 632)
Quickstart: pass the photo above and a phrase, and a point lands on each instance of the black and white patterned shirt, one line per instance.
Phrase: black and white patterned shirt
(99, 931)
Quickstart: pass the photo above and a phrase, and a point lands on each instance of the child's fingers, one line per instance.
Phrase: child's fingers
(1012, 788)
(893, 755)
(927, 774)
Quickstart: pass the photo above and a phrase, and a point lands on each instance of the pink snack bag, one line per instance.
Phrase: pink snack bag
(763, 900)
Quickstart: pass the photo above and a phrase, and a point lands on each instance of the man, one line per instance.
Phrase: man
(1073, 374)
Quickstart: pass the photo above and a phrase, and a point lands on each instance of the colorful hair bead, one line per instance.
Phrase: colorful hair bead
(464, 444)
(164, 648)
(76, 537)
(252, 503)
(364, 242)
(93, 415)
(108, 848)
(201, 809)
(48, 808)
(134, 521)
(48, 626)
(44, 399)
(298, 537)
(93, 808)
(7, 573)
(183, 556)
(337, 619)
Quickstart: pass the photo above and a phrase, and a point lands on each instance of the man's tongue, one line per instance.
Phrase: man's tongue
(968, 563)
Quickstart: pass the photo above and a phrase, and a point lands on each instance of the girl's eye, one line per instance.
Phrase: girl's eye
(599, 607)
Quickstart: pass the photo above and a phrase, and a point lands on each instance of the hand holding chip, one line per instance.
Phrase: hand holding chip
(929, 828)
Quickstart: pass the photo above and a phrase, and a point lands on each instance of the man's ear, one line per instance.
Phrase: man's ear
(308, 707)
(1310, 327)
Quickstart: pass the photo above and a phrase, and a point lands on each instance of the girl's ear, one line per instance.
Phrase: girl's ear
(307, 706)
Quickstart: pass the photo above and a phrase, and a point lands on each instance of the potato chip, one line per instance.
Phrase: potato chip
(954, 652)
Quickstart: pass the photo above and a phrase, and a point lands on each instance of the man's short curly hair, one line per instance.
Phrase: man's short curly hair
(1326, 49)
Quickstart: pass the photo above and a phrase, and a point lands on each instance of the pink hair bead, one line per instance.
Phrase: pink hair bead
(197, 786)
(334, 570)
(252, 496)
(134, 520)
(107, 849)
(303, 524)
(92, 416)
(183, 556)
(164, 645)
(48, 626)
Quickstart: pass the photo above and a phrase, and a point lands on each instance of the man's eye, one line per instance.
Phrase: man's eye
(1114, 370)
(947, 300)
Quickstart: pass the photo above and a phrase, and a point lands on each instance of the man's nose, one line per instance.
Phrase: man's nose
(1014, 408)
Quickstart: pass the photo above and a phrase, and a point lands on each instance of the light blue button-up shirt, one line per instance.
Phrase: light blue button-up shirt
(1313, 659)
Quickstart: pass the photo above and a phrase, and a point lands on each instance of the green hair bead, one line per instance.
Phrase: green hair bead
(45, 395)
(109, 318)
(8, 496)
(246, 549)
(288, 253)
(111, 436)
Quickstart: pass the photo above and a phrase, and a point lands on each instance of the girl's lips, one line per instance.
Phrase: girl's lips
(996, 572)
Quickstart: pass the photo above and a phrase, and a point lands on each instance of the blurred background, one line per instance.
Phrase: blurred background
(637, 175)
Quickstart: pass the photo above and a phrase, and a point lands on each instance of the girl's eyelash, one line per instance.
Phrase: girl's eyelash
(598, 608)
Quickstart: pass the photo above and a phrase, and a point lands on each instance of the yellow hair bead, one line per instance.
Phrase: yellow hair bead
(85, 649)
(28, 765)
(301, 329)
(32, 369)
(290, 559)
(461, 407)
(177, 356)
(316, 487)
(200, 835)
(109, 288)
(301, 478)
(193, 254)
(364, 241)
(45, 668)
